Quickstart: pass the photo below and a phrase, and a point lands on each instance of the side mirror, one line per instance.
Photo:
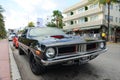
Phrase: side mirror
(23, 35)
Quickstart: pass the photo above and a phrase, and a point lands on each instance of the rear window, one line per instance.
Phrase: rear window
(12, 34)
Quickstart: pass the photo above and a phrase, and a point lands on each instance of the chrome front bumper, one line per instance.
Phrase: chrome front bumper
(68, 58)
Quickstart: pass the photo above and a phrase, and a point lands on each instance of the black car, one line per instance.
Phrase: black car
(49, 46)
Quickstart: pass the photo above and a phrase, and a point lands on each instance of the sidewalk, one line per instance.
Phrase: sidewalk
(8, 66)
(4, 60)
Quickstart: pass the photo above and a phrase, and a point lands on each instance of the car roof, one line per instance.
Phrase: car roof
(43, 27)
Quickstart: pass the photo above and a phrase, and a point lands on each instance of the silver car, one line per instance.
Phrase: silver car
(10, 37)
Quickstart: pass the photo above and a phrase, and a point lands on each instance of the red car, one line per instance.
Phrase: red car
(15, 41)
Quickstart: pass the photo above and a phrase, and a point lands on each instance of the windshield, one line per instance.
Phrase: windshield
(45, 31)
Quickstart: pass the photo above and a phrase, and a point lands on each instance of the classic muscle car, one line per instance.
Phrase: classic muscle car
(47, 46)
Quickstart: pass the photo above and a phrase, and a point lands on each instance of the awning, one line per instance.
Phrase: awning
(90, 27)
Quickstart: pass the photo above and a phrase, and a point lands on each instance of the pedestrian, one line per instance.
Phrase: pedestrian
(103, 35)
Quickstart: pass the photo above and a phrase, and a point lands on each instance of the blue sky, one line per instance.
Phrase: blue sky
(19, 12)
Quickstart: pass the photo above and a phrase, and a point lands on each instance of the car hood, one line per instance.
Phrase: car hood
(52, 41)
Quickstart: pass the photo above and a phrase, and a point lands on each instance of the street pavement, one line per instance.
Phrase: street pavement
(104, 67)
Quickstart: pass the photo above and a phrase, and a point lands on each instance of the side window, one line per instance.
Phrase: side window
(24, 34)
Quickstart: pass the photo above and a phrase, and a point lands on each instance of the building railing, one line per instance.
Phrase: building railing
(86, 24)
(86, 13)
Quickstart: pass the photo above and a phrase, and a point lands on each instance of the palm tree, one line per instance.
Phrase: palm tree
(1, 16)
(31, 24)
(57, 17)
(1, 19)
(104, 2)
(2, 28)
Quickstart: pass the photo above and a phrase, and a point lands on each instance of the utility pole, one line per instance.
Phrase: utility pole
(108, 3)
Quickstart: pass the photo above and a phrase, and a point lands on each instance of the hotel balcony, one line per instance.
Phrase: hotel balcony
(76, 6)
(84, 14)
(86, 25)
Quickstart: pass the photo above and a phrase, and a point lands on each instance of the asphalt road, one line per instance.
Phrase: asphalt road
(105, 67)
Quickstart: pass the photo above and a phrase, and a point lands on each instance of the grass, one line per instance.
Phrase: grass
(0, 38)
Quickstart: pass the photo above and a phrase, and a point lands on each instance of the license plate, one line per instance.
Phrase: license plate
(84, 59)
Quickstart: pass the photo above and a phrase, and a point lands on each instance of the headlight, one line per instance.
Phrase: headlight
(50, 53)
(102, 45)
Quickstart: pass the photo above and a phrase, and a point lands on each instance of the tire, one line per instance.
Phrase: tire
(36, 68)
(21, 52)
(16, 47)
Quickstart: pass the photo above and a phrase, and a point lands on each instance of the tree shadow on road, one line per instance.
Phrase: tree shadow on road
(70, 72)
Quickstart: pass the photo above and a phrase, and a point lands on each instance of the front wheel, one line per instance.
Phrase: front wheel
(21, 52)
(36, 68)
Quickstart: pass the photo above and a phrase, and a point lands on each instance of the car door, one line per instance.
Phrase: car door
(23, 41)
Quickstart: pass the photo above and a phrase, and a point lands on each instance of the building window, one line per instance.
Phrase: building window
(75, 21)
(116, 19)
(119, 7)
(81, 20)
(68, 14)
(71, 13)
(86, 19)
(95, 5)
(110, 17)
(86, 8)
(71, 22)
(93, 18)
(116, 8)
(81, 10)
(119, 20)
(92, 6)
(111, 6)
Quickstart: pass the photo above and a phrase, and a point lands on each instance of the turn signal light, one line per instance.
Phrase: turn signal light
(37, 52)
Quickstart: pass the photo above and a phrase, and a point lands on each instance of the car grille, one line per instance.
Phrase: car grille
(91, 46)
(67, 49)
(77, 48)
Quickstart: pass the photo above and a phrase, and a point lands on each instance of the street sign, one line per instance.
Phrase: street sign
(39, 22)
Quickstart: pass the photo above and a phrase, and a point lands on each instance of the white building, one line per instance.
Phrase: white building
(86, 16)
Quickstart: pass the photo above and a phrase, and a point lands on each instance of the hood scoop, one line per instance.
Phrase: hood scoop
(57, 36)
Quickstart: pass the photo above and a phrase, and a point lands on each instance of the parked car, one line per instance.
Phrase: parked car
(49, 46)
(11, 35)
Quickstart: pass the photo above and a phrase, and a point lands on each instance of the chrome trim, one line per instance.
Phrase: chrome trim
(63, 59)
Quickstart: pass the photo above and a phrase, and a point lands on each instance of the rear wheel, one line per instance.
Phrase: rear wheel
(36, 68)
(21, 52)
(16, 47)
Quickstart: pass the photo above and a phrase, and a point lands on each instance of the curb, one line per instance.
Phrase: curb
(15, 74)
(113, 43)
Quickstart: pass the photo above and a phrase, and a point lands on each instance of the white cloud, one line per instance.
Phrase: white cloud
(15, 19)
(48, 5)
(28, 10)
(20, 12)
(31, 5)
(28, 5)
